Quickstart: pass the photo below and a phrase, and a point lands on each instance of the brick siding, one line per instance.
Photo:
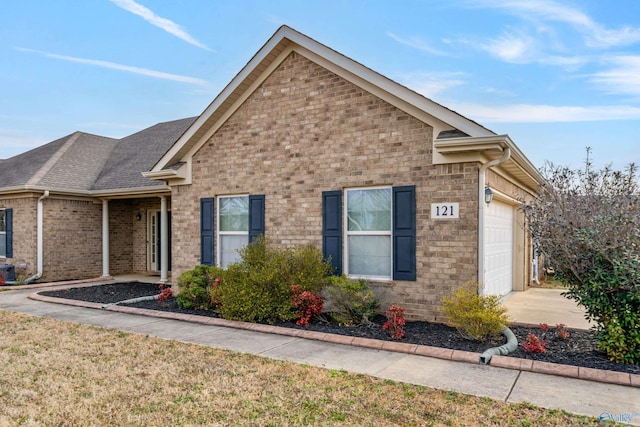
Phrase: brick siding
(24, 234)
(305, 131)
(72, 239)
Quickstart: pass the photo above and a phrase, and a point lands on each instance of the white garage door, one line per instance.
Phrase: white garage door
(498, 255)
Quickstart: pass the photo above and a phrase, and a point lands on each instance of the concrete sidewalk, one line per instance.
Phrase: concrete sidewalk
(510, 385)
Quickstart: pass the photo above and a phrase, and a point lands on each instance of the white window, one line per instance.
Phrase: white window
(368, 237)
(3, 234)
(233, 228)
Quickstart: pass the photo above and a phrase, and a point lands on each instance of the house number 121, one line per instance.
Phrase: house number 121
(445, 210)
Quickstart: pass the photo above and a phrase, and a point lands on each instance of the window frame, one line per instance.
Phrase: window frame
(348, 233)
(220, 233)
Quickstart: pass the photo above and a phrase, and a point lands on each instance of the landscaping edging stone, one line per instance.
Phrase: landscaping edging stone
(528, 365)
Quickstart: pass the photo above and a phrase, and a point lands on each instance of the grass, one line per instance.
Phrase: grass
(66, 374)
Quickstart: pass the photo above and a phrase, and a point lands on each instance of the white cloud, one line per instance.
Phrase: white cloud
(622, 77)
(509, 48)
(527, 113)
(595, 34)
(120, 67)
(162, 23)
(417, 43)
(431, 84)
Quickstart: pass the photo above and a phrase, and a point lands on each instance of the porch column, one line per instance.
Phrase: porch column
(164, 241)
(105, 238)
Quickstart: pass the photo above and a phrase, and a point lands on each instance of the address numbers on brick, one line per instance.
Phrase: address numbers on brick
(445, 210)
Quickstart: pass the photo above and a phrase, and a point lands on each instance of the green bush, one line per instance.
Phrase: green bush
(476, 317)
(351, 302)
(195, 286)
(611, 296)
(587, 223)
(258, 287)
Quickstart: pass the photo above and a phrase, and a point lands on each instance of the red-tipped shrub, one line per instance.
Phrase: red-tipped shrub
(308, 305)
(395, 323)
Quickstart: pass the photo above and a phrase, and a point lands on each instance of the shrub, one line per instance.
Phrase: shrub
(395, 323)
(165, 293)
(351, 302)
(308, 305)
(306, 268)
(587, 222)
(476, 317)
(195, 287)
(258, 287)
(561, 331)
(534, 344)
(2, 282)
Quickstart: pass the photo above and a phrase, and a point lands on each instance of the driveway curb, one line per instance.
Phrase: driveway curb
(590, 374)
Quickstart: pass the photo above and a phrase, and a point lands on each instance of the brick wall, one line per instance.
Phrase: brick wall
(305, 131)
(72, 239)
(121, 236)
(24, 233)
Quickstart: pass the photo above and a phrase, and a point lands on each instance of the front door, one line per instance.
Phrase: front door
(155, 244)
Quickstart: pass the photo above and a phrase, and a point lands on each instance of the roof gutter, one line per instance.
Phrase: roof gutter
(482, 179)
(114, 193)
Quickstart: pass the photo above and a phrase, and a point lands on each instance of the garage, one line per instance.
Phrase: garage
(498, 255)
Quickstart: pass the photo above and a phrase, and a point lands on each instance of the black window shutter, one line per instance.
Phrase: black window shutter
(207, 231)
(256, 216)
(8, 222)
(332, 229)
(404, 233)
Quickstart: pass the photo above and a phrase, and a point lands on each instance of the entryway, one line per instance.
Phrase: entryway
(154, 254)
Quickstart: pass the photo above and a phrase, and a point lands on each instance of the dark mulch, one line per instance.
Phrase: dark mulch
(578, 350)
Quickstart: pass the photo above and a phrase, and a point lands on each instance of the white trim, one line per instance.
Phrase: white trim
(105, 238)
(234, 107)
(348, 233)
(152, 239)
(116, 193)
(164, 240)
(271, 54)
(220, 233)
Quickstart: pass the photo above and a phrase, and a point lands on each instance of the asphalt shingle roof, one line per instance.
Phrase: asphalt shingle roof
(86, 162)
(138, 153)
(45, 165)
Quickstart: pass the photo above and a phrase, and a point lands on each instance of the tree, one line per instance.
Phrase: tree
(586, 223)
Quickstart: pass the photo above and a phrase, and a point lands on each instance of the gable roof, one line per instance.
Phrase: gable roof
(284, 41)
(69, 162)
(86, 164)
(138, 153)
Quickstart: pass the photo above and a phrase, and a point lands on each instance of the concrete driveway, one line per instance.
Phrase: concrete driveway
(540, 305)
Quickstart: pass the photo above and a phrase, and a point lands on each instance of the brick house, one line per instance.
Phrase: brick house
(304, 145)
(54, 200)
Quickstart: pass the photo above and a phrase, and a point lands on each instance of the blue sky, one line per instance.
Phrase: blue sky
(556, 76)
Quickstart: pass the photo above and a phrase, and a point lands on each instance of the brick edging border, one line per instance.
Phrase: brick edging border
(527, 365)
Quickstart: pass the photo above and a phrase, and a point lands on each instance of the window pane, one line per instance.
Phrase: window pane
(370, 255)
(2, 222)
(229, 246)
(3, 244)
(234, 214)
(369, 210)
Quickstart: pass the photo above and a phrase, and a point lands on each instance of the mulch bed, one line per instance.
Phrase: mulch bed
(578, 350)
